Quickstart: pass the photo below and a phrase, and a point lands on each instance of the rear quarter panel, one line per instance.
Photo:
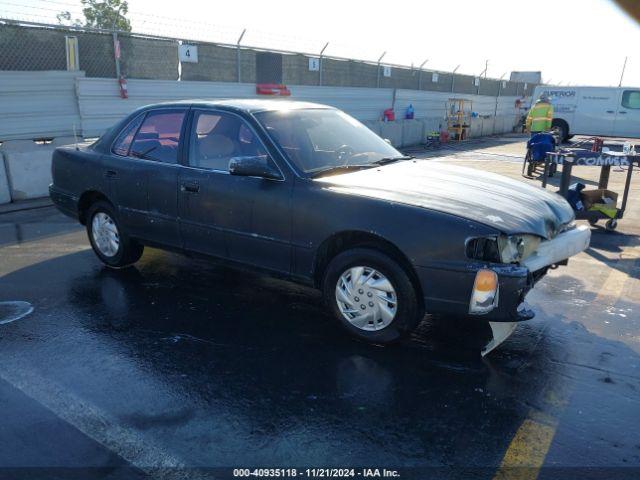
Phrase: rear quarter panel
(77, 171)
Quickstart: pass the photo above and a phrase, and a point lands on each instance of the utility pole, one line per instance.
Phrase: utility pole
(624, 65)
(320, 63)
(379, 60)
(420, 74)
(238, 55)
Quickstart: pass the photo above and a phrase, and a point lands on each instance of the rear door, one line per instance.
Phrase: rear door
(628, 118)
(143, 173)
(595, 111)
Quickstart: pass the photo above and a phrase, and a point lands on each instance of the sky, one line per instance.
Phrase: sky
(572, 42)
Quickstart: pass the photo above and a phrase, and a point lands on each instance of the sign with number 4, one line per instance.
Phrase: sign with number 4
(188, 53)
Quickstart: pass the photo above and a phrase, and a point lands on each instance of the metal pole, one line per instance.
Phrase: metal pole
(495, 112)
(320, 63)
(624, 65)
(116, 46)
(484, 72)
(238, 55)
(379, 60)
(453, 77)
(420, 74)
(116, 53)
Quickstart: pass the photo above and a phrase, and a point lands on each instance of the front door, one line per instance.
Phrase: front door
(628, 119)
(246, 219)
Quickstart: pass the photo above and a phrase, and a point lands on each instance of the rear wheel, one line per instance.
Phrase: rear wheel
(110, 243)
(371, 295)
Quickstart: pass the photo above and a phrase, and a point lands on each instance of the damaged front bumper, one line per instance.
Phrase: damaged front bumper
(549, 253)
(452, 289)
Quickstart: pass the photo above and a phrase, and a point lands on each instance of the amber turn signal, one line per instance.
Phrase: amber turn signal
(486, 281)
(484, 296)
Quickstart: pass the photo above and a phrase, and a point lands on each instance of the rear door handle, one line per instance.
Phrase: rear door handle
(622, 112)
(190, 187)
(110, 173)
(611, 111)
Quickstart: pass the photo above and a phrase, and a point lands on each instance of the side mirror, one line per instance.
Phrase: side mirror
(259, 166)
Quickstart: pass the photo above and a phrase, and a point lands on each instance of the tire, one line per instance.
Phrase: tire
(592, 221)
(563, 130)
(402, 303)
(110, 243)
(611, 225)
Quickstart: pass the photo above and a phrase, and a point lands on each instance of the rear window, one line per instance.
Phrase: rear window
(631, 99)
(123, 142)
(159, 136)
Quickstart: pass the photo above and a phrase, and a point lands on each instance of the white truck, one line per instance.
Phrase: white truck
(601, 111)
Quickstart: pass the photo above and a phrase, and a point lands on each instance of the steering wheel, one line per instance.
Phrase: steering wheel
(344, 153)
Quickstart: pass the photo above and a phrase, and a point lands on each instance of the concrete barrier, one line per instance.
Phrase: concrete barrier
(5, 194)
(28, 166)
(392, 131)
(475, 129)
(412, 132)
(374, 126)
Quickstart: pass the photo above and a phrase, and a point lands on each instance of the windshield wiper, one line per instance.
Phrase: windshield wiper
(386, 160)
(335, 168)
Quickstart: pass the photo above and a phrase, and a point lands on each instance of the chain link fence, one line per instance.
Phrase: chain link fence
(28, 46)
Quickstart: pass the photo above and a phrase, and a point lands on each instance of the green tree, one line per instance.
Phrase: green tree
(106, 14)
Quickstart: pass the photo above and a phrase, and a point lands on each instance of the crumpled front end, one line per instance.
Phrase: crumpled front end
(501, 272)
(534, 264)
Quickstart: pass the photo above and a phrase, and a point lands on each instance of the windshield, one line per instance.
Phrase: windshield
(318, 140)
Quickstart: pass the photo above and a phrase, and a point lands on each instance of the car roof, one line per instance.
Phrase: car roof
(251, 105)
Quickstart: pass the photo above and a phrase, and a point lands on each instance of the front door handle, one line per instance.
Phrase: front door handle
(110, 173)
(190, 187)
(622, 112)
(611, 111)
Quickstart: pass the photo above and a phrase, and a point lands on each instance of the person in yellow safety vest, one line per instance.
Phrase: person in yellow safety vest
(540, 116)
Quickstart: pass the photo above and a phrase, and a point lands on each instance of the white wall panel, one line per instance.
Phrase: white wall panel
(38, 104)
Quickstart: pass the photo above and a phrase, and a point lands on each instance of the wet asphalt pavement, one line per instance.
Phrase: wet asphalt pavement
(178, 368)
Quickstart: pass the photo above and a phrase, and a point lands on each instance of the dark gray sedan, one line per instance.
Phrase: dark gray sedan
(308, 193)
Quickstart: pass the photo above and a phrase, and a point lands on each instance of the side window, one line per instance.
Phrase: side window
(123, 141)
(159, 136)
(217, 137)
(631, 99)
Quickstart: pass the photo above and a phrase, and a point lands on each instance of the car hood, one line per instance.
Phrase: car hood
(508, 205)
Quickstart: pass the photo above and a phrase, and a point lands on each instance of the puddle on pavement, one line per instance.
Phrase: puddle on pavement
(14, 310)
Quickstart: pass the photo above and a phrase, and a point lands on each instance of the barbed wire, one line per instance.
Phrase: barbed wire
(199, 30)
(43, 14)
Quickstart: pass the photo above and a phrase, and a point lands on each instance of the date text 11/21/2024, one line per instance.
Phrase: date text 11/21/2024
(315, 473)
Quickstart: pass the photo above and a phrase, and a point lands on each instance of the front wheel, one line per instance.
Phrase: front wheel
(371, 295)
(110, 243)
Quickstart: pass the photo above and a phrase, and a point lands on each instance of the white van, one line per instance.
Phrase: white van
(601, 111)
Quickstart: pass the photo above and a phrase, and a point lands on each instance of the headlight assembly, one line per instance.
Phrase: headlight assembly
(515, 248)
